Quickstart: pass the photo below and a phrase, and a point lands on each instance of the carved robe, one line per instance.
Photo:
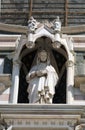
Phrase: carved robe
(43, 85)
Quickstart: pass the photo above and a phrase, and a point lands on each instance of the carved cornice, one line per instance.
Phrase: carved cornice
(64, 117)
(40, 121)
(40, 109)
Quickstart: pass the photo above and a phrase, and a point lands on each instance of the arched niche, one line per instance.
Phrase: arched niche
(58, 58)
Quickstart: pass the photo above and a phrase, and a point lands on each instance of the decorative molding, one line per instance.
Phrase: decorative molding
(17, 62)
(41, 123)
(69, 63)
(78, 44)
(57, 25)
(9, 42)
(64, 117)
(46, 109)
(41, 120)
(32, 24)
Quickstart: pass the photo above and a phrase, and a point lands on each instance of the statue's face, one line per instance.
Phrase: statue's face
(43, 56)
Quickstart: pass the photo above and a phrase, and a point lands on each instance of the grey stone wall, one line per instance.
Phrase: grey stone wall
(17, 11)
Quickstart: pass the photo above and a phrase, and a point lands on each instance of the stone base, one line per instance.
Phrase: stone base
(40, 117)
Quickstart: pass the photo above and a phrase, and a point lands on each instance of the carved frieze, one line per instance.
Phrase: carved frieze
(32, 24)
(40, 121)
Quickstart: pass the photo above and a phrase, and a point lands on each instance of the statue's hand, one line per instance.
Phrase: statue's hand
(44, 72)
(41, 73)
(30, 76)
(33, 75)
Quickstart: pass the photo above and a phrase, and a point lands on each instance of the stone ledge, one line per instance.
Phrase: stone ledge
(42, 109)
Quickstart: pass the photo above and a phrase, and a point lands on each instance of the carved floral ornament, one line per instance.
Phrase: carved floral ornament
(57, 24)
(37, 30)
(33, 24)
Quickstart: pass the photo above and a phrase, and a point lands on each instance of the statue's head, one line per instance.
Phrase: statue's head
(43, 56)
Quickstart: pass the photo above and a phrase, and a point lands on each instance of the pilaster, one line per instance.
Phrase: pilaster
(70, 81)
(15, 82)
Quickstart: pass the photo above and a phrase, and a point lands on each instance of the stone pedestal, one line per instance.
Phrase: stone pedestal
(40, 117)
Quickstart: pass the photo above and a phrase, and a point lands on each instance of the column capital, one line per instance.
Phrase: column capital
(17, 62)
(69, 63)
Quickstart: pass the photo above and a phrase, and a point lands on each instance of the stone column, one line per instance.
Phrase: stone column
(70, 81)
(15, 82)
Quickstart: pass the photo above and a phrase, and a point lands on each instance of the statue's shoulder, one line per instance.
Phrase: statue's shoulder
(50, 68)
(34, 67)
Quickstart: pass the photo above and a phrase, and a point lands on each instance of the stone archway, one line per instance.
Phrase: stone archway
(47, 37)
(58, 60)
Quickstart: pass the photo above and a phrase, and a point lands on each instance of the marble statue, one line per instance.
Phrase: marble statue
(42, 79)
